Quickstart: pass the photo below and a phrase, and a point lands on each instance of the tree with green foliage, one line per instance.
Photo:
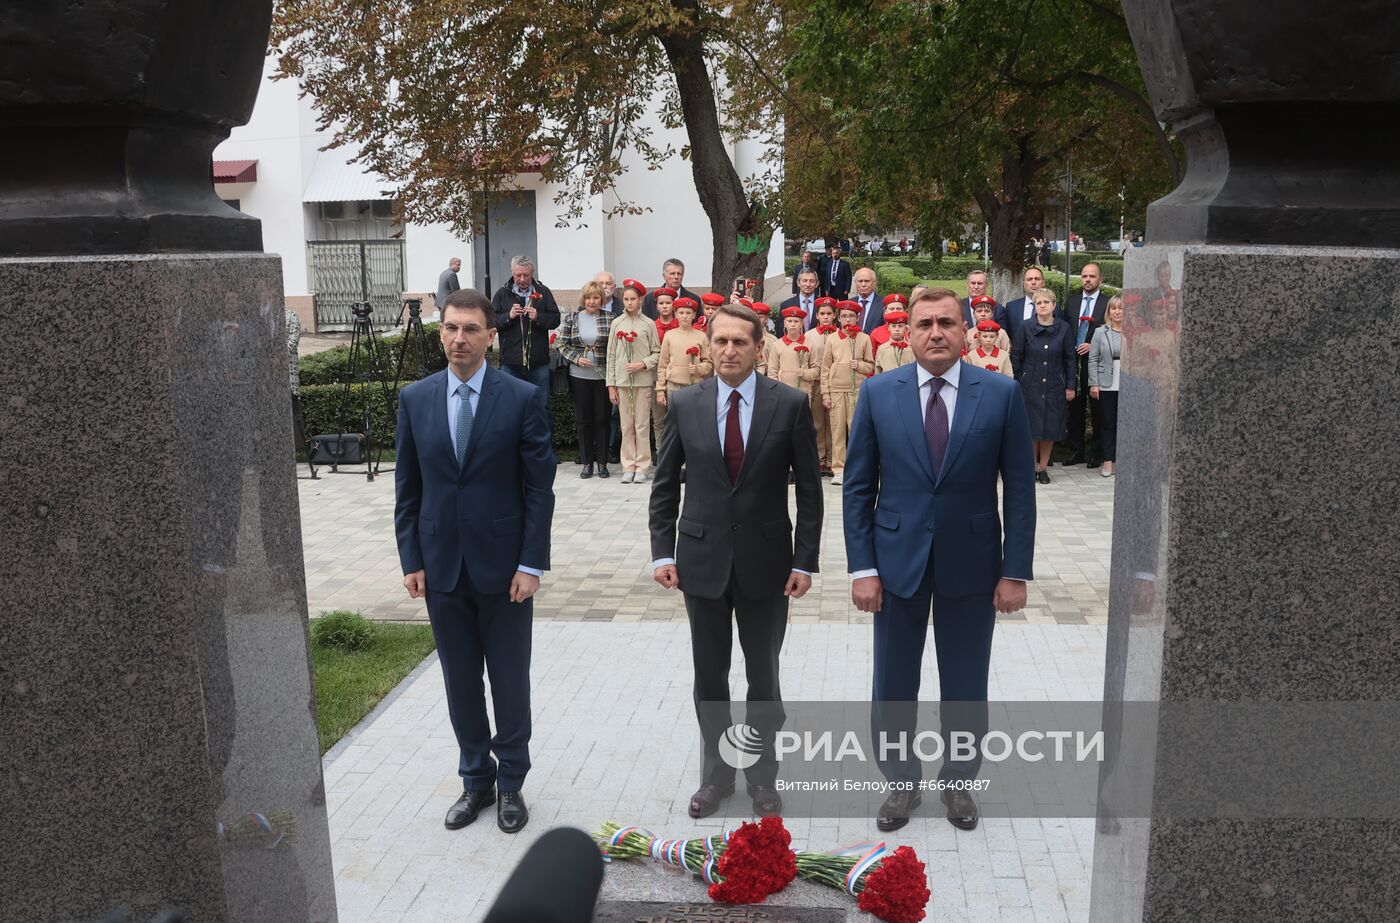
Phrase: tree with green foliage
(447, 99)
(968, 111)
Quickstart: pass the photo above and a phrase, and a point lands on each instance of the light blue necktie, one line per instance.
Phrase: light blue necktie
(464, 422)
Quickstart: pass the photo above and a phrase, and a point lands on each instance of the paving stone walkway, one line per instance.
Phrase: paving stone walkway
(601, 549)
(614, 739)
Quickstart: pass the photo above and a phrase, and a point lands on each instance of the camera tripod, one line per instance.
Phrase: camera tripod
(365, 367)
(425, 351)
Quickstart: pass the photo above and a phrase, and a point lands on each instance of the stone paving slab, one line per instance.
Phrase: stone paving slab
(614, 739)
(601, 549)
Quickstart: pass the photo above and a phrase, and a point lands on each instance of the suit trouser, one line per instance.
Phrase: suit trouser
(839, 417)
(1078, 410)
(591, 406)
(634, 406)
(819, 420)
(1106, 424)
(474, 629)
(762, 624)
(962, 640)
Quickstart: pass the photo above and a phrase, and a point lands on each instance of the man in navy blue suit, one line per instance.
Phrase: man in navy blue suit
(927, 445)
(872, 306)
(1020, 310)
(475, 494)
(836, 274)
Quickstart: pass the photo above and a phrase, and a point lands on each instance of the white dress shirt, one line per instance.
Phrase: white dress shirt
(746, 391)
(866, 302)
(454, 403)
(949, 394)
(1086, 304)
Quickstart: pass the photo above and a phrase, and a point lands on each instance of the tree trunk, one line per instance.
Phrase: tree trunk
(1005, 213)
(717, 183)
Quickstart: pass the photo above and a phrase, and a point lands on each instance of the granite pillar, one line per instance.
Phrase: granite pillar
(1256, 551)
(158, 744)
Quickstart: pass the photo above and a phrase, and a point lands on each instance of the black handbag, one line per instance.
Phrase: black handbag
(558, 373)
(338, 449)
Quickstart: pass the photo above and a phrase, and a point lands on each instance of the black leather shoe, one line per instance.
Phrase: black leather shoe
(962, 809)
(707, 800)
(1094, 463)
(894, 813)
(511, 813)
(465, 809)
(1075, 459)
(587, 471)
(603, 471)
(1042, 477)
(766, 801)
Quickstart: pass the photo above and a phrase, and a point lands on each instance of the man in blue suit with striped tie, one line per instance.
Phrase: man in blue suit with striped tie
(927, 446)
(474, 479)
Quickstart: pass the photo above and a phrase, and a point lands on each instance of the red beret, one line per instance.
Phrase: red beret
(714, 299)
(989, 325)
(761, 308)
(668, 292)
(895, 298)
(983, 299)
(825, 300)
(685, 303)
(746, 302)
(636, 286)
(848, 306)
(794, 311)
(897, 317)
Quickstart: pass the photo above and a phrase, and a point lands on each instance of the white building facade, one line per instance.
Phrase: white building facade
(331, 221)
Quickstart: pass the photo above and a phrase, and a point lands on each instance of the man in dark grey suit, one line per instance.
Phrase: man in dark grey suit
(448, 282)
(739, 436)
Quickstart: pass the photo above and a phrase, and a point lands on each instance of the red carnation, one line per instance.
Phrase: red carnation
(826, 328)
(799, 348)
(899, 344)
(759, 861)
(897, 891)
(693, 351)
(535, 296)
(622, 334)
(552, 338)
(993, 367)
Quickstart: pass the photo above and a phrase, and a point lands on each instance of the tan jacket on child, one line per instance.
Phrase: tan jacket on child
(645, 348)
(800, 368)
(673, 366)
(997, 360)
(890, 357)
(840, 350)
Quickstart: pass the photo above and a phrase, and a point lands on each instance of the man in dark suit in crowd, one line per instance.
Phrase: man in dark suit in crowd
(976, 288)
(1020, 310)
(448, 282)
(927, 446)
(836, 274)
(525, 313)
(872, 308)
(1084, 311)
(673, 272)
(808, 283)
(474, 483)
(739, 436)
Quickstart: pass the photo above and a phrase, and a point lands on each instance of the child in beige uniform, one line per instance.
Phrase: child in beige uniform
(791, 361)
(665, 323)
(987, 354)
(980, 313)
(847, 361)
(710, 302)
(816, 338)
(632, 359)
(896, 352)
(685, 354)
(765, 352)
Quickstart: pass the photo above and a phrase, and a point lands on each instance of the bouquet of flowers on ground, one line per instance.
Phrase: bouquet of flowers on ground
(747, 865)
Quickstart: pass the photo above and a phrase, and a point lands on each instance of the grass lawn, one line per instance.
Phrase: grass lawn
(957, 285)
(349, 684)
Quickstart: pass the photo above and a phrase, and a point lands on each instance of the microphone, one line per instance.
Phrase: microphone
(557, 881)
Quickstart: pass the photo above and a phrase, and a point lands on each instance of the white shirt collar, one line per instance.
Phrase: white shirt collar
(453, 382)
(746, 389)
(950, 377)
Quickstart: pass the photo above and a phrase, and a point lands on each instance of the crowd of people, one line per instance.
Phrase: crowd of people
(629, 347)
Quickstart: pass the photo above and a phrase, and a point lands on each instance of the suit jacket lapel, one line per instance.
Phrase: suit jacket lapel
(437, 441)
(485, 406)
(969, 394)
(709, 429)
(760, 422)
(912, 414)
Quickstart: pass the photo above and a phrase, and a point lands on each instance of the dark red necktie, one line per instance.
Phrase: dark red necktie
(733, 439)
(936, 426)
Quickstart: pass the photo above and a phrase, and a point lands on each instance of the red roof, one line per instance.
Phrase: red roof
(235, 171)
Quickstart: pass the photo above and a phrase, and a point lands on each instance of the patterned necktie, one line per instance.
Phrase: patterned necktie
(936, 426)
(733, 439)
(465, 419)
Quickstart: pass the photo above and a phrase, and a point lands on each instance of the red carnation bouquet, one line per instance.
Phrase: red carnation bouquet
(993, 367)
(693, 351)
(535, 296)
(899, 344)
(825, 329)
(749, 864)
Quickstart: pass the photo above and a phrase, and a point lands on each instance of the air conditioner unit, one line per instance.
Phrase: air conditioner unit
(335, 211)
(382, 208)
